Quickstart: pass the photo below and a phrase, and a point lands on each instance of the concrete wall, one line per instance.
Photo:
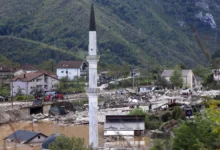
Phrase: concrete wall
(66, 72)
(46, 109)
(25, 110)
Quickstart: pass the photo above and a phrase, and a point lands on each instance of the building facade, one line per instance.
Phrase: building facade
(27, 83)
(124, 126)
(71, 69)
(189, 79)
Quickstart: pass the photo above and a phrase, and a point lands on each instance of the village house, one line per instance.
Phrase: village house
(25, 69)
(29, 82)
(71, 69)
(6, 73)
(189, 79)
(26, 137)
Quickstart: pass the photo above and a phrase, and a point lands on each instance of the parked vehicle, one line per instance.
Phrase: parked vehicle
(2, 99)
(50, 96)
(186, 92)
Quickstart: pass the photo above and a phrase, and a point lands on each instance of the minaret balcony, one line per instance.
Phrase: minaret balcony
(93, 58)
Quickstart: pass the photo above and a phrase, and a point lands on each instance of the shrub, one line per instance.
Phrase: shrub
(152, 125)
(166, 116)
(177, 113)
(154, 118)
(137, 112)
(23, 97)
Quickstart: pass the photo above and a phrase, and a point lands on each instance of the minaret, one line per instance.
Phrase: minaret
(93, 91)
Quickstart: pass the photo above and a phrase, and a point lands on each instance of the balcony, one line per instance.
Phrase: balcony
(95, 57)
(92, 90)
(83, 72)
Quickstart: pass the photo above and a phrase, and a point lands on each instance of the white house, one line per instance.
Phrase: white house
(71, 69)
(189, 79)
(216, 74)
(29, 82)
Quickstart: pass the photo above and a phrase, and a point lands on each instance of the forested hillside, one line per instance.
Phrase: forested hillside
(135, 32)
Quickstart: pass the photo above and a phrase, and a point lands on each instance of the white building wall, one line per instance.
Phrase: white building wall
(19, 72)
(187, 80)
(216, 77)
(38, 139)
(125, 133)
(30, 71)
(70, 73)
(52, 83)
(16, 85)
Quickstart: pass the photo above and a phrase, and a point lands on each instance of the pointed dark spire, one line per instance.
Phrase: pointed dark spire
(92, 26)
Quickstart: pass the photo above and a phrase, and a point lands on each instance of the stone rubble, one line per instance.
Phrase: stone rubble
(120, 104)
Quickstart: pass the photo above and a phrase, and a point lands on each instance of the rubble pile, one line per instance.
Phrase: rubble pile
(38, 116)
(113, 103)
(7, 116)
(83, 116)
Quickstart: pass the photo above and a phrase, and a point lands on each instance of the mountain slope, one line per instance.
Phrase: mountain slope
(27, 51)
(135, 32)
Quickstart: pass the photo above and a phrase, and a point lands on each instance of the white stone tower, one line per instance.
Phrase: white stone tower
(93, 91)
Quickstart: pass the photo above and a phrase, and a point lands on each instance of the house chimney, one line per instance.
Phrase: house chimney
(24, 75)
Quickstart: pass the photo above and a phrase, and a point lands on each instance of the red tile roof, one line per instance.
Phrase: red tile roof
(30, 76)
(4, 68)
(28, 67)
(69, 64)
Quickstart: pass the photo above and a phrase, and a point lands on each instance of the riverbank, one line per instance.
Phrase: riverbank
(13, 115)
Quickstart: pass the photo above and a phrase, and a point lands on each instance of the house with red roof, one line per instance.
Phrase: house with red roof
(71, 69)
(28, 82)
(6, 73)
(26, 68)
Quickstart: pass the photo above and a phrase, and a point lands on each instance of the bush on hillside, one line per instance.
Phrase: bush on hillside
(166, 116)
(177, 113)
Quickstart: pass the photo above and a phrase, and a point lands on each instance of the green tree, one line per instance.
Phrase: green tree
(177, 113)
(195, 135)
(158, 145)
(66, 143)
(182, 66)
(49, 65)
(176, 78)
(184, 139)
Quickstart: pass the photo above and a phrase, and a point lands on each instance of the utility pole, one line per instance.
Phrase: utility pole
(133, 78)
(12, 95)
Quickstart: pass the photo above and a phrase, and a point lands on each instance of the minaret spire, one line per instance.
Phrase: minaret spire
(92, 26)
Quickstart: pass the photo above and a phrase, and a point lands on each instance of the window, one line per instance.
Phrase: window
(38, 136)
(66, 71)
(61, 71)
